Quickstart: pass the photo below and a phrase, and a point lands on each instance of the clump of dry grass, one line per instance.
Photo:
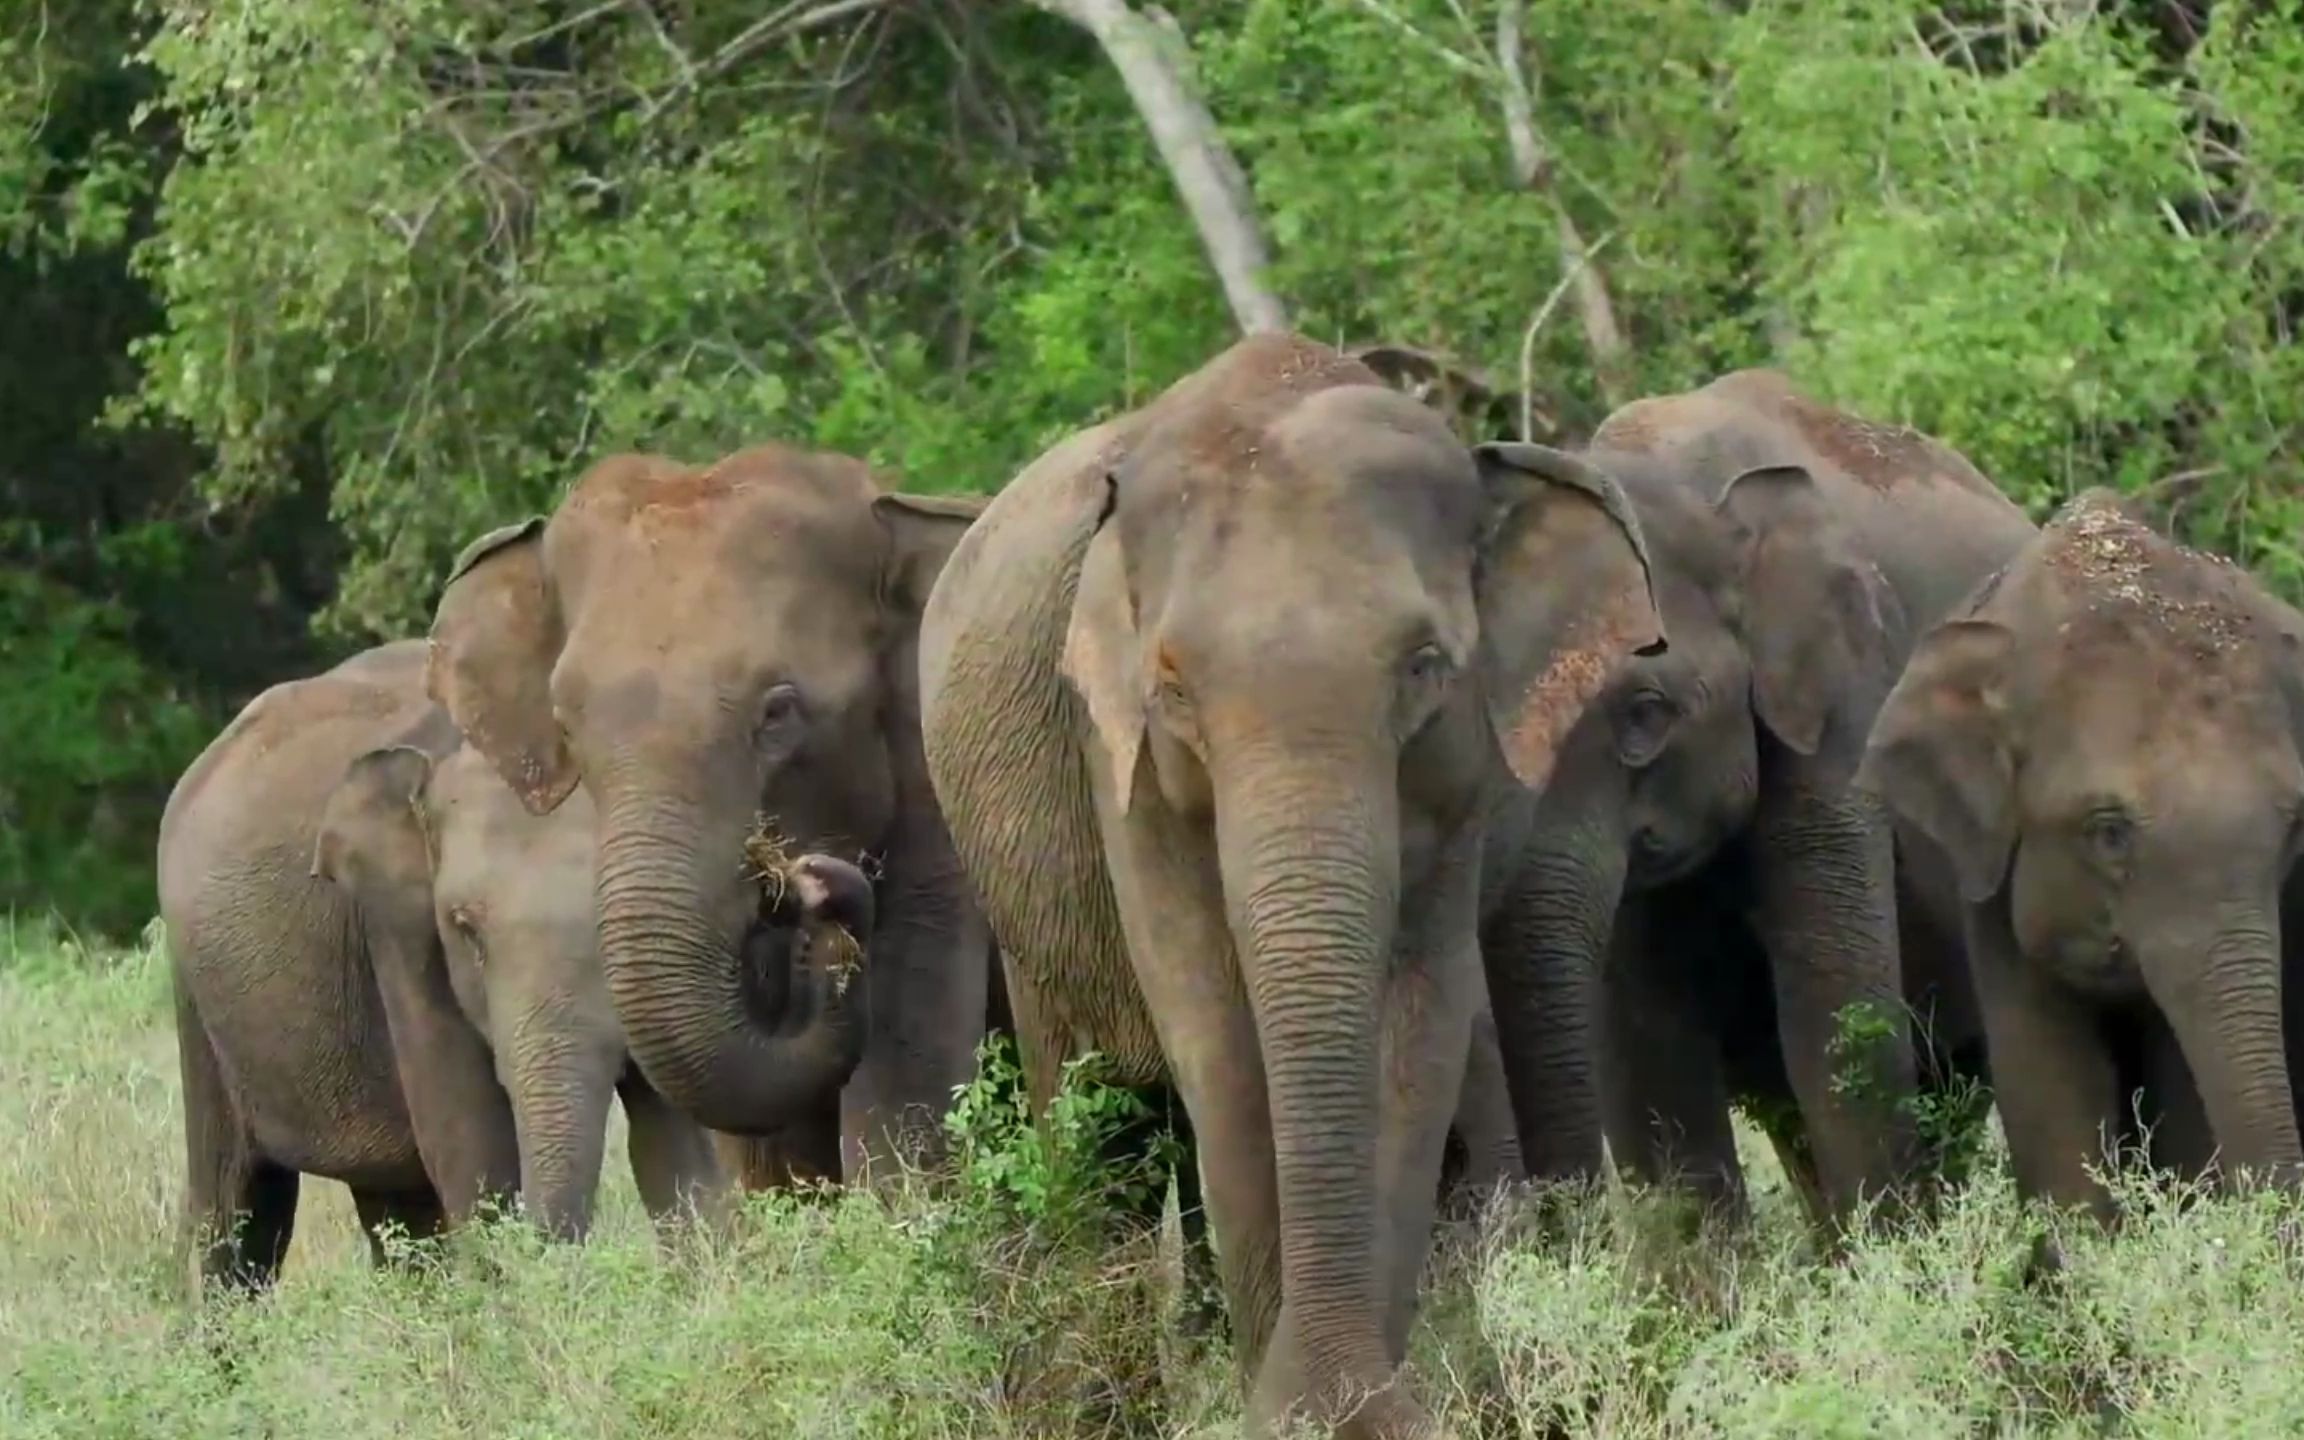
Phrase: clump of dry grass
(772, 863)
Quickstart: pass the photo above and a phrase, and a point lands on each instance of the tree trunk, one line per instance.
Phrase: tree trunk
(1192, 147)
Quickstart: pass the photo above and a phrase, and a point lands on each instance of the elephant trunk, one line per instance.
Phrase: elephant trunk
(2221, 994)
(1544, 949)
(704, 988)
(1311, 878)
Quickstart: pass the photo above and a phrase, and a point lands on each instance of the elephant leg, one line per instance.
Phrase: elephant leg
(1664, 1086)
(802, 1156)
(1790, 1142)
(928, 987)
(416, 1215)
(1203, 1282)
(2179, 1138)
(461, 1115)
(674, 1162)
(239, 1208)
(1484, 1131)
(1180, 951)
(1427, 1036)
(2055, 1079)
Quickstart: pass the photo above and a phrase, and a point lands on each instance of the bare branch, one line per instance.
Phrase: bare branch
(1536, 325)
(1531, 166)
(1199, 160)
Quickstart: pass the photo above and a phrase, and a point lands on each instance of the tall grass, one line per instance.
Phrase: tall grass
(970, 1309)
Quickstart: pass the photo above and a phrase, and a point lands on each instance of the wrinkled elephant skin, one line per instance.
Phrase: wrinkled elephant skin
(2105, 744)
(705, 648)
(1216, 698)
(1699, 843)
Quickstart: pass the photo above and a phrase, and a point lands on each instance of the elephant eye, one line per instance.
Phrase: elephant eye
(780, 709)
(2110, 835)
(1643, 725)
(1425, 663)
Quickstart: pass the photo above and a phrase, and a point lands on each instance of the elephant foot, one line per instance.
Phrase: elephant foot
(1381, 1408)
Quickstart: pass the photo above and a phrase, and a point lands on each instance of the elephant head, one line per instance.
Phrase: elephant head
(701, 648)
(2106, 748)
(1307, 631)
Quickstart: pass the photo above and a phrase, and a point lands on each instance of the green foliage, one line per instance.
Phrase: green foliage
(88, 729)
(1052, 1170)
(401, 270)
(918, 1317)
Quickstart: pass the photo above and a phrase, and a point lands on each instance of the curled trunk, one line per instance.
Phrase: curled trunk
(712, 1013)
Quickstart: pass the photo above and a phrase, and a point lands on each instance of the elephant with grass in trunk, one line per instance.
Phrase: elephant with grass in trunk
(2106, 748)
(703, 647)
(445, 845)
(1216, 696)
(1699, 848)
(318, 1030)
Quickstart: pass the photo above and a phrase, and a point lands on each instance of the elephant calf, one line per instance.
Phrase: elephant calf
(447, 844)
(1698, 845)
(2106, 746)
(317, 1028)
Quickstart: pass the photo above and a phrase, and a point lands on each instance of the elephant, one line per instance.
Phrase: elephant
(2105, 745)
(702, 647)
(445, 845)
(1214, 696)
(1698, 907)
(318, 1033)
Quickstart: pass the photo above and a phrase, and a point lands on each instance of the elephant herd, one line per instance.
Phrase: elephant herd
(1342, 785)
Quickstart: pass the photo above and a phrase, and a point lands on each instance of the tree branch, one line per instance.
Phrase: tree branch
(1199, 160)
(1531, 167)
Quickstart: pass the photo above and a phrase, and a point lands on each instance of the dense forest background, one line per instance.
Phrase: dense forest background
(298, 295)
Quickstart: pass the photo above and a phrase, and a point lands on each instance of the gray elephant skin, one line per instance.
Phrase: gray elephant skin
(2106, 745)
(320, 1033)
(703, 647)
(444, 843)
(1699, 850)
(1215, 697)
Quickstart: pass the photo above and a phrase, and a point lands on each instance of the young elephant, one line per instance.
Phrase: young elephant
(446, 844)
(2106, 748)
(1215, 697)
(1699, 832)
(319, 1032)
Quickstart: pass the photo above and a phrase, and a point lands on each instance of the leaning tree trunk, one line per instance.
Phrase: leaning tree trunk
(1149, 59)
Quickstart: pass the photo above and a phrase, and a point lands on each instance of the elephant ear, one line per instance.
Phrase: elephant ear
(1103, 658)
(1565, 592)
(1940, 753)
(495, 639)
(922, 531)
(1820, 621)
(374, 835)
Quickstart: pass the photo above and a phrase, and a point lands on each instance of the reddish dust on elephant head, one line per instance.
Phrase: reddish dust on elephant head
(2133, 585)
(1590, 651)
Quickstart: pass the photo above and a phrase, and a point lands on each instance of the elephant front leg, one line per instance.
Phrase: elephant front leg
(927, 981)
(1427, 1034)
(674, 1164)
(1664, 1083)
(461, 1114)
(1825, 912)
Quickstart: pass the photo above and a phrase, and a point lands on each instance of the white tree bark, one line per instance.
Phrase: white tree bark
(1214, 190)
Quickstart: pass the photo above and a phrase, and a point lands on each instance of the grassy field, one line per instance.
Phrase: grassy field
(968, 1312)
